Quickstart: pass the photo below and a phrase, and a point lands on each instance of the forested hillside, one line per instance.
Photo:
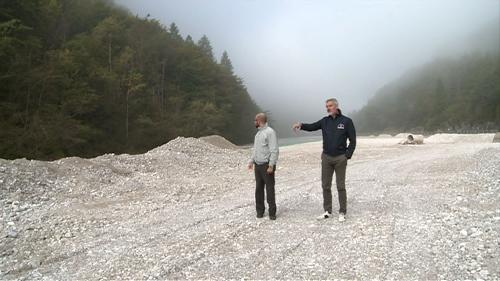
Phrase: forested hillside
(448, 95)
(87, 77)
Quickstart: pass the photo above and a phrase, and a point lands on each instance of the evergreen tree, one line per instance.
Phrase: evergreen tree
(206, 47)
(226, 62)
(189, 40)
(174, 31)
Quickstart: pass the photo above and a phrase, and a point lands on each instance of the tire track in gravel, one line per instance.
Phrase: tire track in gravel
(291, 203)
(101, 240)
(189, 227)
(226, 219)
(239, 225)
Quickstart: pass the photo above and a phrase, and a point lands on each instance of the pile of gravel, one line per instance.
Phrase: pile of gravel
(219, 142)
(31, 181)
(35, 195)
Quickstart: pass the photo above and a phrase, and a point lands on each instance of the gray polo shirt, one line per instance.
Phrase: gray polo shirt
(265, 146)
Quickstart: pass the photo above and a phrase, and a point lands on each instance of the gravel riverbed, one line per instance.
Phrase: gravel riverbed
(185, 210)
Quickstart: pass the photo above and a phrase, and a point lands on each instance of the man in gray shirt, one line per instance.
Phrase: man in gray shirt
(264, 157)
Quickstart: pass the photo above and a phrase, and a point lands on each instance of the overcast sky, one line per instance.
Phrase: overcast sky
(293, 54)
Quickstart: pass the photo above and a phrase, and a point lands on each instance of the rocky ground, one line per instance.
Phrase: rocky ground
(185, 210)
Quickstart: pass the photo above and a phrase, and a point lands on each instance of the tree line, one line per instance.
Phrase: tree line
(87, 77)
(460, 95)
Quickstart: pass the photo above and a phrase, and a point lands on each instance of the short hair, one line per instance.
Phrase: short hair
(334, 100)
(262, 116)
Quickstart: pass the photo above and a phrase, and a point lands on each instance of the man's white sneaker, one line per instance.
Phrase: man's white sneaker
(341, 217)
(326, 215)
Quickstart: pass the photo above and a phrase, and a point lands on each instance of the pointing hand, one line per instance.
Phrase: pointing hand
(296, 126)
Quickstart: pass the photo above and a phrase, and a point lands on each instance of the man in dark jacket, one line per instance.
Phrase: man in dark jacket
(336, 129)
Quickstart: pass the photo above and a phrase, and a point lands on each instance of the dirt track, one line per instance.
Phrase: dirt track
(419, 212)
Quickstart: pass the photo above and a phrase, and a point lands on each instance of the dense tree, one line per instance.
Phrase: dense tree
(189, 40)
(226, 62)
(206, 47)
(86, 77)
(174, 31)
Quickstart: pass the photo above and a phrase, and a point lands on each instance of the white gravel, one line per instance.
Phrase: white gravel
(463, 138)
(186, 211)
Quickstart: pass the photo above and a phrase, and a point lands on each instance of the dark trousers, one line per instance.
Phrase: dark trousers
(264, 180)
(330, 165)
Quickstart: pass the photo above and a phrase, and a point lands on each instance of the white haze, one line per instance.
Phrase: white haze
(293, 55)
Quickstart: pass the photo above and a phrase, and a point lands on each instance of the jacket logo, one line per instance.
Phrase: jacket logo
(340, 126)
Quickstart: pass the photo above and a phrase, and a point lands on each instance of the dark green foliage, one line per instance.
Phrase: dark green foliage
(461, 95)
(85, 78)
(206, 47)
(226, 62)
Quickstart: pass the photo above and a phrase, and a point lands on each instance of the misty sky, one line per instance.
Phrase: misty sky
(294, 54)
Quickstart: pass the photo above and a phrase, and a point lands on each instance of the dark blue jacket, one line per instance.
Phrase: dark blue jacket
(335, 131)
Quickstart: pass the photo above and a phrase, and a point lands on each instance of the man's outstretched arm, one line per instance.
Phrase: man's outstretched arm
(308, 127)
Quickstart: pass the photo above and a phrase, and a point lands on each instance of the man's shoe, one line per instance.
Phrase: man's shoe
(341, 217)
(326, 215)
(273, 218)
(259, 216)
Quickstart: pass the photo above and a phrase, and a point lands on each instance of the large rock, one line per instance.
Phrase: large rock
(496, 138)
